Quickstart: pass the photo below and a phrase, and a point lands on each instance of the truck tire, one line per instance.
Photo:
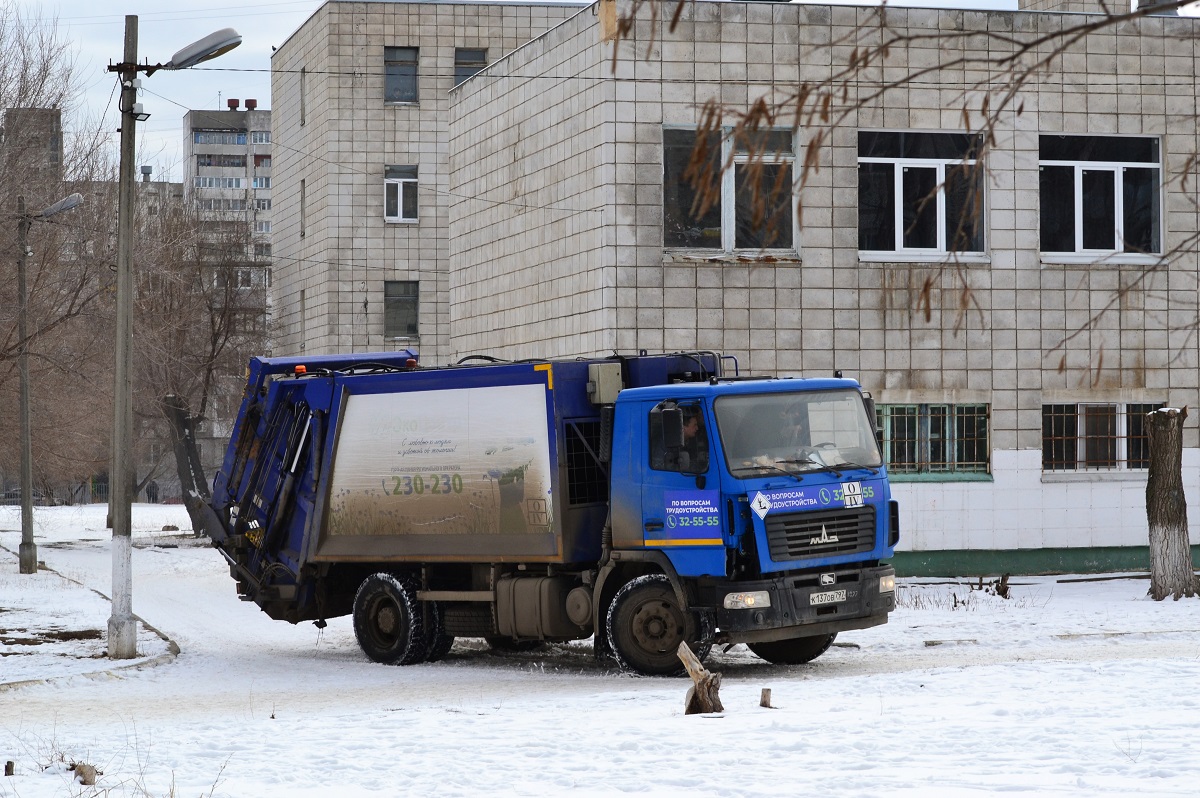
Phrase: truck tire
(388, 622)
(437, 642)
(796, 651)
(645, 626)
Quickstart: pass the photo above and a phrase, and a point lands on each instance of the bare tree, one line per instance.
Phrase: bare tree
(200, 299)
(47, 153)
(201, 313)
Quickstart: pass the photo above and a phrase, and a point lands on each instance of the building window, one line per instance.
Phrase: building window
(934, 438)
(218, 182)
(262, 250)
(400, 82)
(218, 137)
(400, 193)
(919, 193)
(221, 204)
(247, 321)
(262, 182)
(242, 279)
(748, 206)
(217, 228)
(225, 161)
(262, 204)
(262, 161)
(262, 227)
(468, 62)
(400, 305)
(1095, 437)
(1100, 194)
(260, 137)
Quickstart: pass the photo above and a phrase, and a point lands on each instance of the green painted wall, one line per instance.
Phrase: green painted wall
(1025, 561)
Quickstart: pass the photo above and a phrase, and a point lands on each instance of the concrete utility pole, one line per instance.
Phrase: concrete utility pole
(122, 628)
(27, 552)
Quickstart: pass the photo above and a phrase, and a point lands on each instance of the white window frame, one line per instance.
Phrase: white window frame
(728, 178)
(262, 227)
(261, 182)
(400, 185)
(217, 182)
(901, 253)
(1116, 169)
(260, 137)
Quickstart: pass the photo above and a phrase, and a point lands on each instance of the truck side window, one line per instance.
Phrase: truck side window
(692, 456)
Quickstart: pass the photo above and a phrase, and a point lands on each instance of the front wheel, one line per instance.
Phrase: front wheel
(388, 621)
(796, 651)
(646, 625)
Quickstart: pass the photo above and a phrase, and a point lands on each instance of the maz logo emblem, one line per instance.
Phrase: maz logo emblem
(824, 537)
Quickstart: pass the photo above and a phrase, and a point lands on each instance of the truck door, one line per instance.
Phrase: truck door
(681, 501)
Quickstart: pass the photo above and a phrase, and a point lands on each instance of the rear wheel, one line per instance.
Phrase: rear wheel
(388, 622)
(793, 652)
(436, 640)
(646, 626)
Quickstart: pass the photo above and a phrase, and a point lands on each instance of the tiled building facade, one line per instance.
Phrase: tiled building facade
(1013, 352)
(361, 95)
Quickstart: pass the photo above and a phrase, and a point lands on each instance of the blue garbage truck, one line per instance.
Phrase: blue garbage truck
(643, 501)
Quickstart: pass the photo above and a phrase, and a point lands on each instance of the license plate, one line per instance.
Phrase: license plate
(828, 597)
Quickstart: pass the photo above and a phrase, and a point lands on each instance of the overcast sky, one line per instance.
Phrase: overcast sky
(96, 29)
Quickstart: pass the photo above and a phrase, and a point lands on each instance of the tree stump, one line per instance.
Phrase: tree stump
(1171, 572)
(702, 696)
(85, 773)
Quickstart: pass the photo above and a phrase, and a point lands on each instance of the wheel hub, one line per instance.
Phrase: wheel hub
(386, 620)
(656, 627)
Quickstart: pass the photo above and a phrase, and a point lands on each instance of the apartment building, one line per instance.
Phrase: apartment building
(228, 180)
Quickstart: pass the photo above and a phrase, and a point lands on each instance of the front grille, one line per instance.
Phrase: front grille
(820, 533)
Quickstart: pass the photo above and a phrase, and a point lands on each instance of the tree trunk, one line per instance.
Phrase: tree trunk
(192, 483)
(1171, 572)
(704, 695)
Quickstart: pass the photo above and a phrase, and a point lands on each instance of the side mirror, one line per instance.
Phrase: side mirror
(870, 403)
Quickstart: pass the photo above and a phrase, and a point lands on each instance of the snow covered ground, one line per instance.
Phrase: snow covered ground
(1067, 687)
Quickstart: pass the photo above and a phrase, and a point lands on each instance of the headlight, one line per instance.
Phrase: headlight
(887, 584)
(746, 601)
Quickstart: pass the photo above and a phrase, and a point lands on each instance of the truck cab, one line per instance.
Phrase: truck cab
(766, 501)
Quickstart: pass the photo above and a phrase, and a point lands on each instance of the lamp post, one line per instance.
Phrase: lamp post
(122, 628)
(27, 553)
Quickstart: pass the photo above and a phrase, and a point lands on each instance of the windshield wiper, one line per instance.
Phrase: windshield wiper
(771, 467)
(848, 465)
(802, 462)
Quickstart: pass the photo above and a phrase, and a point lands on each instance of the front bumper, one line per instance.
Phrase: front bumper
(792, 612)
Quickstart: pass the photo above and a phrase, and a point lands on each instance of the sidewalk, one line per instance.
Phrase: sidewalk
(52, 626)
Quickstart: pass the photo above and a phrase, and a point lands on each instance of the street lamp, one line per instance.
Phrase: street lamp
(122, 628)
(28, 550)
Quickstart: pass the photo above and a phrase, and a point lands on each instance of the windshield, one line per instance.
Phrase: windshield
(796, 432)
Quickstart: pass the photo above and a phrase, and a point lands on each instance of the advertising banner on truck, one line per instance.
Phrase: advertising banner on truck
(468, 461)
